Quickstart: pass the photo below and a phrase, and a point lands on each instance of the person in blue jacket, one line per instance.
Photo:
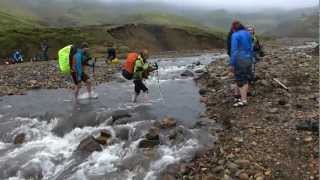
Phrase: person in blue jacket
(77, 69)
(17, 56)
(240, 65)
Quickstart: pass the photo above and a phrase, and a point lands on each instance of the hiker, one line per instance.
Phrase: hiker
(77, 63)
(240, 65)
(44, 50)
(112, 56)
(232, 30)
(257, 48)
(17, 57)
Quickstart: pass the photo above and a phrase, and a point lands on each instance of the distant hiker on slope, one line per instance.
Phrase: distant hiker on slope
(17, 57)
(137, 68)
(240, 65)
(112, 55)
(44, 47)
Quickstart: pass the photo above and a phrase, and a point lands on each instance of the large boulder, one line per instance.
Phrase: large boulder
(123, 133)
(168, 122)
(20, 138)
(32, 171)
(187, 73)
(89, 145)
(316, 50)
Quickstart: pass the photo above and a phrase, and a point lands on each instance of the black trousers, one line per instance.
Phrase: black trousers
(138, 86)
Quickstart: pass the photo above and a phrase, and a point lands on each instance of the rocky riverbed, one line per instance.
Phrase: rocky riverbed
(261, 141)
(16, 79)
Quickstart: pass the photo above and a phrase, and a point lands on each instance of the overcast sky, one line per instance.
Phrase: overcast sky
(231, 4)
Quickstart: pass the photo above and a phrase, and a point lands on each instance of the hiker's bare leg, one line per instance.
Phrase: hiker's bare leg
(76, 93)
(243, 92)
(88, 84)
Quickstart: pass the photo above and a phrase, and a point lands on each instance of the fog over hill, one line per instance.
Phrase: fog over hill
(267, 16)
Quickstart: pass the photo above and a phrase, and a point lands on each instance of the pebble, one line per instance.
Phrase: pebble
(308, 139)
(244, 176)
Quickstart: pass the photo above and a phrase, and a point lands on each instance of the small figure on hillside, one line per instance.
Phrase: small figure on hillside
(111, 54)
(44, 47)
(17, 57)
(240, 65)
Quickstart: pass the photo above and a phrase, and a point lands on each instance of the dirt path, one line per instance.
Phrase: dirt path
(260, 141)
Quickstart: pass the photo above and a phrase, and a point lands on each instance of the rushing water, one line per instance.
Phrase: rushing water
(54, 126)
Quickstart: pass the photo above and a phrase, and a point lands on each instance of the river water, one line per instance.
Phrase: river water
(54, 126)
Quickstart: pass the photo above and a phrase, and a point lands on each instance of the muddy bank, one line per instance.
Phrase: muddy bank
(16, 79)
(261, 141)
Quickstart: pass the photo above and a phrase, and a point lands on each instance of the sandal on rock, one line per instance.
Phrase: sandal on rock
(235, 100)
(240, 104)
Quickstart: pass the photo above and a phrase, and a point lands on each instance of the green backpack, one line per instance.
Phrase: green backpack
(63, 59)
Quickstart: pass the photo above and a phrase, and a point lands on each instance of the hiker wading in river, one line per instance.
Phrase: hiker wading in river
(240, 65)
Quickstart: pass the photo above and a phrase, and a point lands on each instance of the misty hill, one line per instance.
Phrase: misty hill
(66, 13)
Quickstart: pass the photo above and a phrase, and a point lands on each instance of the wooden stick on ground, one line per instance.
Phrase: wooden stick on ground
(281, 84)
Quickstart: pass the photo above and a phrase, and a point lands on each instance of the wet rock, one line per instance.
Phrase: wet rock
(187, 73)
(153, 134)
(20, 138)
(32, 171)
(199, 71)
(123, 134)
(203, 91)
(168, 122)
(89, 145)
(148, 143)
(308, 125)
(104, 137)
(198, 63)
(120, 115)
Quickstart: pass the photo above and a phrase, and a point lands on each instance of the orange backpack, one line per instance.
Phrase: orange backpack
(128, 66)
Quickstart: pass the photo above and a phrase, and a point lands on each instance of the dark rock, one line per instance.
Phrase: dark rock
(148, 143)
(282, 102)
(187, 73)
(198, 63)
(102, 140)
(105, 133)
(308, 125)
(168, 122)
(153, 134)
(123, 134)
(20, 138)
(199, 71)
(32, 171)
(120, 115)
(89, 145)
(203, 91)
